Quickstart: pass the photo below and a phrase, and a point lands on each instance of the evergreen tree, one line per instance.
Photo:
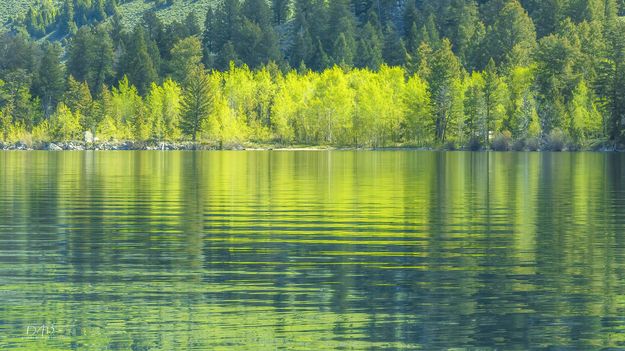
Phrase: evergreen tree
(102, 60)
(138, 64)
(341, 26)
(369, 53)
(80, 52)
(196, 102)
(512, 37)
(394, 51)
(49, 83)
(492, 98)
(186, 53)
(257, 42)
(78, 100)
(443, 69)
(281, 11)
(611, 79)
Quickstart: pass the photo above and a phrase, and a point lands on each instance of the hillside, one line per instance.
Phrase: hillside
(12, 8)
(131, 11)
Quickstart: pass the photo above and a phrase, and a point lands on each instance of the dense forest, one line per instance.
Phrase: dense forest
(501, 74)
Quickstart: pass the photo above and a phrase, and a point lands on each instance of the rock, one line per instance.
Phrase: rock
(89, 137)
(75, 146)
(54, 147)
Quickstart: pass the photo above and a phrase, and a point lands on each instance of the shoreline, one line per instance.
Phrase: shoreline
(190, 146)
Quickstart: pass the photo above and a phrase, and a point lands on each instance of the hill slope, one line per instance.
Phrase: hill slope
(131, 11)
(13, 8)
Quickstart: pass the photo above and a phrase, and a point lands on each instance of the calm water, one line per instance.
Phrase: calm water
(311, 251)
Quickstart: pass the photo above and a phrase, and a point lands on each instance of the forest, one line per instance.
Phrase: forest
(454, 74)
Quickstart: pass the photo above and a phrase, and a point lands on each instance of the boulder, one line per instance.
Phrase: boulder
(54, 147)
(89, 137)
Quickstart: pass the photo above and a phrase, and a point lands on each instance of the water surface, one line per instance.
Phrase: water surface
(311, 250)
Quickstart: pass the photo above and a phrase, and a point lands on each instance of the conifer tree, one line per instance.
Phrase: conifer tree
(196, 102)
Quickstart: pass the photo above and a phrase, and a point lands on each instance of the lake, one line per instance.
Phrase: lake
(311, 250)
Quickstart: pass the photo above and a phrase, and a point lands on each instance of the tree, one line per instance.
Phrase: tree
(66, 125)
(281, 10)
(394, 51)
(547, 15)
(80, 51)
(78, 100)
(49, 83)
(611, 79)
(443, 69)
(310, 30)
(417, 99)
(196, 102)
(102, 60)
(185, 53)
(369, 52)
(341, 31)
(494, 100)
(475, 109)
(164, 104)
(138, 63)
(521, 106)
(512, 37)
(91, 57)
(555, 80)
(221, 33)
(257, 42)
(586, 120)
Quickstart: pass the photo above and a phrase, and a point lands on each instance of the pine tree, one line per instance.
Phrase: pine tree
(280, 11)
(257, 42)
(102, 60)
(444, 69)
(369, 53)
(611, 79)
(49, 83)
(138, 63)
(341, 32)
(196, 102)
(492, 98)
(394, 51)
(186, 53)
(80, 51)
(78, 100)
(511, 35)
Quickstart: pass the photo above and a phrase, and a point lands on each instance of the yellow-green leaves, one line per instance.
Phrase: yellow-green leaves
(65, 124)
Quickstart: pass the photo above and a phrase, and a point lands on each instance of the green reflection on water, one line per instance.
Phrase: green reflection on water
(311, 250)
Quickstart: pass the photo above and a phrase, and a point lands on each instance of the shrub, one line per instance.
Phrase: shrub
(519, 145)
(449, 146)
(532, 144)
(556, 140)
(474, 144)
(41, 132)
(502, 141)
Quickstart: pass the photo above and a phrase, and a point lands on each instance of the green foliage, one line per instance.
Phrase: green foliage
(186, 53)
(65, 125)
(196, 101)
(511, 38)
(369, 73)
(91, 57)
(49, 82)
(140, 60)
(164, 108)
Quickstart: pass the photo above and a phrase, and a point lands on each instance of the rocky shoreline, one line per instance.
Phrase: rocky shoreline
(115, 146)
(190, 146)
